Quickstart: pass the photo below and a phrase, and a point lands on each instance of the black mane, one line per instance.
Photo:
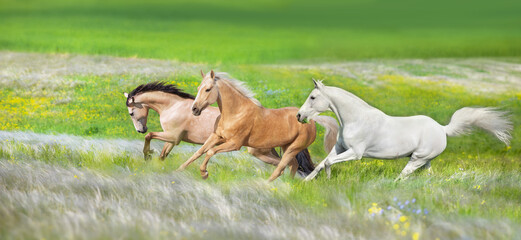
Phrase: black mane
(159, 86)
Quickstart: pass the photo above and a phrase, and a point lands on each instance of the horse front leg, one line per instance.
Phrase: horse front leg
(348, 155)
(146, 147)
(225, 147)
(213, 140)
(322, 165)
(171, 139)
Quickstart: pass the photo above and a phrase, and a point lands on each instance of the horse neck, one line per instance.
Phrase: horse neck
(347, 107)
(230, 100)
(158, 101)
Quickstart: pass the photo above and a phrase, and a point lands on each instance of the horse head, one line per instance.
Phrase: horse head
(315, 104)
(207, 93)
(138, 113)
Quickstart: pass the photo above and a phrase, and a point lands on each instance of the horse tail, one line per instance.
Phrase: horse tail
(305, 165)
(331, 127)
(489, 119)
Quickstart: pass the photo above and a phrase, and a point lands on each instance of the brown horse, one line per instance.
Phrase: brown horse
(177, 121)
(244, 122)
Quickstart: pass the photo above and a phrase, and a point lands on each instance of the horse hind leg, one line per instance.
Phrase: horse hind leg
(414, 163)
(293, 166)
(287, 158)
(269, 156)
(427, 167)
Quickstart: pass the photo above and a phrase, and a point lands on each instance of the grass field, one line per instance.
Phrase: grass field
(263, 31)
(71, 165)
(93, 182)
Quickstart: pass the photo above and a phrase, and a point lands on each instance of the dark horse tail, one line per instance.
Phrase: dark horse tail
(305, 165)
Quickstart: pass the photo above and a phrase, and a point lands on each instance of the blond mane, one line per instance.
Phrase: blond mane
(239, 86)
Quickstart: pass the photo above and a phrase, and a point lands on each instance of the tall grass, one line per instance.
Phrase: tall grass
(53, 190)
(71, 163)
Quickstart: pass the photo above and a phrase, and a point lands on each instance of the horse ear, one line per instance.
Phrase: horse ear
(126, 95)
(202, 73)
(212, 74)
(315, 82)
(318, 84)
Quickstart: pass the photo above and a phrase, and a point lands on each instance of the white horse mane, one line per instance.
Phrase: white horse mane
(239, 86)
(349, 94)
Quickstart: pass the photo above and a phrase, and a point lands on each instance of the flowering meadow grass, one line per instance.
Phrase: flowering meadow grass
(71, 166)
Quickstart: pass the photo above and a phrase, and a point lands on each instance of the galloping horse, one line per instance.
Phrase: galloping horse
(244, 122)
(368, 132)
(177, 121)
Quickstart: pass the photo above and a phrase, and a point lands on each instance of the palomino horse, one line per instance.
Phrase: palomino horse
(244, 122)
(368, 132)
(178, 123)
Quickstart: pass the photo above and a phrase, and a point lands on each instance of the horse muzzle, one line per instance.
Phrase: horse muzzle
(301, 118)
(145, 129)
(196, 111)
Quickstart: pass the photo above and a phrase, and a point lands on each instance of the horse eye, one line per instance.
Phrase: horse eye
(312, 98)
(131, 114)
(207, 90)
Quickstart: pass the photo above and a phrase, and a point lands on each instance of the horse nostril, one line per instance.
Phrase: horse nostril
(194, 109)
(298, 116)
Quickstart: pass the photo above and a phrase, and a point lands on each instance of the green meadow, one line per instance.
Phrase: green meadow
(472, 192)
(263, 31)
(70, 159)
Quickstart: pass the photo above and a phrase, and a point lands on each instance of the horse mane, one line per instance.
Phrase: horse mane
(159, 86)
(357, 99)
(239, 86)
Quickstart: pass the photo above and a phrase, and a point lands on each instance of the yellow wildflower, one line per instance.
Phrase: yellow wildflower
(415, 236)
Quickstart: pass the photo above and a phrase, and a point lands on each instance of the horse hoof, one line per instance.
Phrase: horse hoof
(204, 175)
(308, 178)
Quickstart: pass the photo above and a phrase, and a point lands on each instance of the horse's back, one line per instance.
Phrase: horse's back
(401, 136)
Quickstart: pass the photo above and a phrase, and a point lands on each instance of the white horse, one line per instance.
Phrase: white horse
(365, 131)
